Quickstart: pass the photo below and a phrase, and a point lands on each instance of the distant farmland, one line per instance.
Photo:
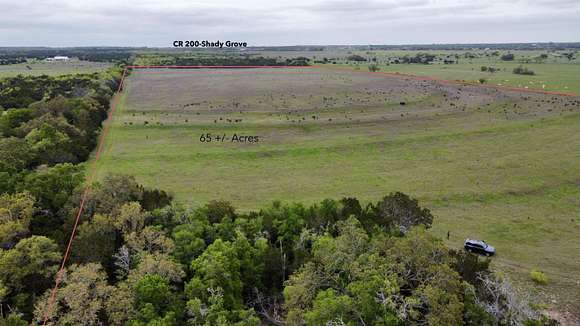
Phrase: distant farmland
(39, 67)
(495, 165)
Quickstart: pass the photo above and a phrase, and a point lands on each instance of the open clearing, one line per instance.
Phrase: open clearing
(495, 165)
(554, 73)
(560, 77)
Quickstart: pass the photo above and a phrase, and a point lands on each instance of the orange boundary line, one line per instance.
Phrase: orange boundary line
(237, 72)
(214, 67)
(85, 194)
(377, 73)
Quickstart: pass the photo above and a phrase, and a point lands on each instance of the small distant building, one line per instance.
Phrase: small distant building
(58, 58)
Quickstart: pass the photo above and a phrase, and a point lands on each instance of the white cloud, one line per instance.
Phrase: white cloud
(267, 22)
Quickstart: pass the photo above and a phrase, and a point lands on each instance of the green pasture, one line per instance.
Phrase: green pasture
(555, 73)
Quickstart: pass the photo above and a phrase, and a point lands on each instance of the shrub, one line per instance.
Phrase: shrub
(374, 67)
(355, 57)
(523, 71)
(488, 69)
(482, 80)
(423, 58)
(539, 277)
(508, 57)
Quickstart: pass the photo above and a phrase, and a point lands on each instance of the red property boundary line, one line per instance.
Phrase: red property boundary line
(214, 67)
(377, 74)
(115, 102)
(89, 181)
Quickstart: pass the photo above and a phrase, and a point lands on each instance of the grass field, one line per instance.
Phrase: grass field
(36, 68)
(495, 165)
(555, 73)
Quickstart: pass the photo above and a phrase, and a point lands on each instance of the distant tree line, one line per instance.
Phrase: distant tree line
(219, 60)
(228, 61)
(117, 55)
(11, 61)
(467, 47)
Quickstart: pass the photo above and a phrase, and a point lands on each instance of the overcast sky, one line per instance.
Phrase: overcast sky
(271, 22)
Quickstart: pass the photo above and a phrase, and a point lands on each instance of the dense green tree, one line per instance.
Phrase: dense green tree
(234, 267)
(156, 303)
(189, 241)
(106, 198)
(13, 319)
(469, 266)
(323, 216)
(217, 267)
(474, 314)
(120, 305)
(398, 210)
(155, 198)
(216, 210)
(214, 313)
(96, 241)
(116, 190)
(414, 255)
(442, 295)
(53, 186)
(26, 271)
(158, 264)
(150, 240)
(12, 119)
(251, 259)
(15, 154)
(423, 266)
(51, 145)
(329, 307)
(80, 299)
(84, 113)
(350, 206)
(347, 280)
(130, 219)
(284, 223)
(16, 211)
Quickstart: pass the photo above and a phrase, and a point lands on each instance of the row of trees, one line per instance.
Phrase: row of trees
(117, 55)
(11, 61)
(204, 59)
(21, 91)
